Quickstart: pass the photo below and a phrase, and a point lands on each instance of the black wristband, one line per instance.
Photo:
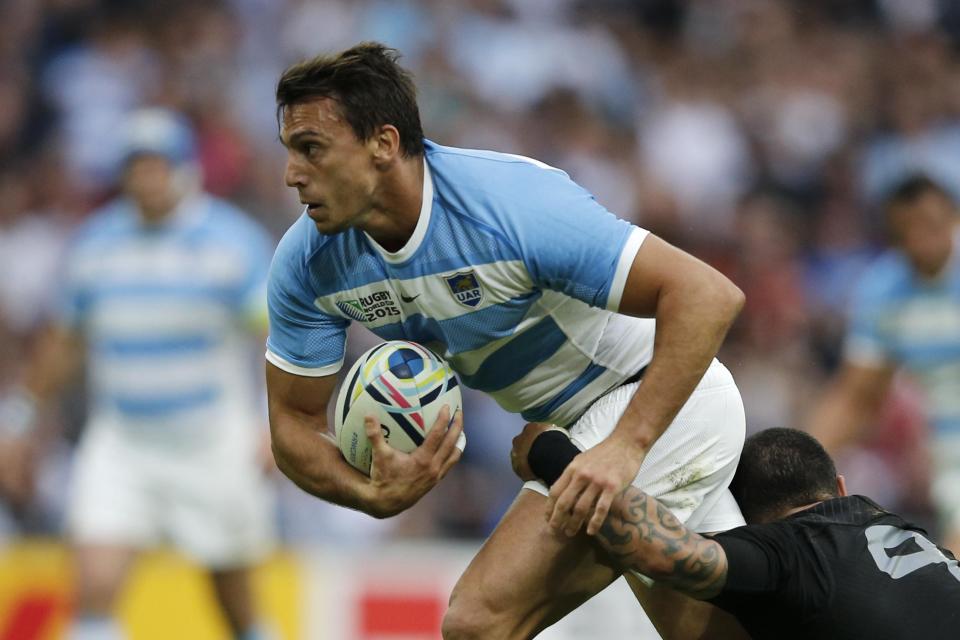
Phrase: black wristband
(551, 453)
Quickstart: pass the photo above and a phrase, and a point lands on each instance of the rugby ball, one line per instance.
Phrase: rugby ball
(404, 385)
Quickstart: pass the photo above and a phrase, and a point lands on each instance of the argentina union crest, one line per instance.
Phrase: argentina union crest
(465, 288)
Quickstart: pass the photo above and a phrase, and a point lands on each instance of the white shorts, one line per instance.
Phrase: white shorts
(212, 502)
(689, 468)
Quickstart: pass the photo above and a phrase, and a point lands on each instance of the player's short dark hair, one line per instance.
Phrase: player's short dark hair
(912, 189)
(368, 84)
(781, 469)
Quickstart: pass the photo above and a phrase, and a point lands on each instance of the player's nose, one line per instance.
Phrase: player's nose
(293, 176)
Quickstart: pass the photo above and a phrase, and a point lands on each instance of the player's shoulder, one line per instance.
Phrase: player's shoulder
(888, 278)
(502, 191)
(221, 210)
(780, 532)
(453, 166)
(299, 245)
(105, 225)
(484, 175)
(229, 222)
(480, 160)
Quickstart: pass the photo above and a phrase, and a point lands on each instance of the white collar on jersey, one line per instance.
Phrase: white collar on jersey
(419, 232)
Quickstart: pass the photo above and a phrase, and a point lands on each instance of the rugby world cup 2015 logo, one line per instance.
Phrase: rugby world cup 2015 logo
(465, 287)
(373, 307)
(352, 309)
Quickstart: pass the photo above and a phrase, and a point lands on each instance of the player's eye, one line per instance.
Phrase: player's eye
(311, 149)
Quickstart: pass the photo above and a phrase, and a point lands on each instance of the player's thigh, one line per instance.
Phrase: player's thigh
(525, 577)
(678, 617)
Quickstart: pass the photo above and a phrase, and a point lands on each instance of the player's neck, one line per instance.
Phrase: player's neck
(399, 201)
(935, 270)
(154, 214)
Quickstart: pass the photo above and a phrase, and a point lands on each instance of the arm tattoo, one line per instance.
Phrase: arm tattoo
(641, 534)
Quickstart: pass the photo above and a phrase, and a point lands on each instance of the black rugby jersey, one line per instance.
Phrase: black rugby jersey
(845, 569)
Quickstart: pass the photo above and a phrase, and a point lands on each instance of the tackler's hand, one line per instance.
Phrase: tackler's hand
(588, 486)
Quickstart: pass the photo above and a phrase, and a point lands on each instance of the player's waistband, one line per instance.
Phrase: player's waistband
(716, 374)
(637, 377)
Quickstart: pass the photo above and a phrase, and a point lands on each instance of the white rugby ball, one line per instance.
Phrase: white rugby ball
(404, 385)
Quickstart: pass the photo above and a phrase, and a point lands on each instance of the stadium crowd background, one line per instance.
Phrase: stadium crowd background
(757, 134)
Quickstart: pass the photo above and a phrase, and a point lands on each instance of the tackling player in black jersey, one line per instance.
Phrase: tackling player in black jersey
(812, 562)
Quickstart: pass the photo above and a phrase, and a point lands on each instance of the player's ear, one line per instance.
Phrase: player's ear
(385, 144)
(842, 486)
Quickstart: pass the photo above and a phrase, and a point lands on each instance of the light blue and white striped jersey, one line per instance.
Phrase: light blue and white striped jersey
(513, 274)
(167, 312)
(899, 319)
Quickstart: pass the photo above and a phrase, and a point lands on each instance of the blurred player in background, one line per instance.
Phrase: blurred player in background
(164, 288)
(906, 315)
(536, 295)
(813, 561)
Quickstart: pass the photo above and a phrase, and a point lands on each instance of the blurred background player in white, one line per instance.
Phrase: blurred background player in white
(163, 291)
(906, 315)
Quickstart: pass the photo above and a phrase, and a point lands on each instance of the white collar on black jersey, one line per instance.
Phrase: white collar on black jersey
(423, 223)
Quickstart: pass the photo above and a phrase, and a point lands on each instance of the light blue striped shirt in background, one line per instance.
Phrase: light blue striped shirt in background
(168, 312)
(900, 319)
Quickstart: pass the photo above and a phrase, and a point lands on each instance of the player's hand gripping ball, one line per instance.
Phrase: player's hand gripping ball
(404, 385)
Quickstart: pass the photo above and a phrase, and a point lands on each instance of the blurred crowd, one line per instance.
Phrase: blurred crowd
(759, 135)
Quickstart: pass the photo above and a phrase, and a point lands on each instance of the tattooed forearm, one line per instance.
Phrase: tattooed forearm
(641, 534)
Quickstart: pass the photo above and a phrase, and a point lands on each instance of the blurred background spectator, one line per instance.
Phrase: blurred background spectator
(758, 134)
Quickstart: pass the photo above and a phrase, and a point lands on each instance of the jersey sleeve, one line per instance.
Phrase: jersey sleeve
(303, 340)
(866, 343)
(766, 563)
(753, 562)
(73, 301)
(70, 306)
(251, 291)
(572, 244)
